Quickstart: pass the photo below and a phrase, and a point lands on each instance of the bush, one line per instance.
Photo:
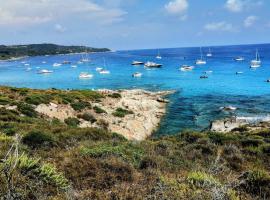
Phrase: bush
(221, 138)
(72, 121)
(37, 99)
(99, 110)
(126, 151)
(27, 110)
(192, 137)
(266, 148)
(80, 105)
(115, 95)
(120, 112)
(4, 101)
(87, 117)
(251, 142)
(37, 138)
(202, 179)
(9, 115)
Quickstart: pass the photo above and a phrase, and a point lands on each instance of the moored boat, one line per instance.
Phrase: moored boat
(186, 68)
(257, 62)
(45, 71)
(152, 65)
(137, 63)
(200, 61)
(137, 74)
(85, 75)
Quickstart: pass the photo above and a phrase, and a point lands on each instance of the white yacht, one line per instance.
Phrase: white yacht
(45, 71)
(239, 58)
(152, 65)
(98, 69)
(137, 74)
(73, 66)
(186, 68)
(44, 62)
(257, 62)
(137, 63)
(28, 69)
(209, 54)
(103, 71)
(85, 75)
(57, 65)
(201, 61)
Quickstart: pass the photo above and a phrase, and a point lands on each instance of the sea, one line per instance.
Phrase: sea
(196, 102)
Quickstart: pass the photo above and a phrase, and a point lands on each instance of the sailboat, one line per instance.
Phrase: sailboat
(158, 56)
(200, 61)
(85, 57)
(103, 70)
(257, 62)
(209, 54)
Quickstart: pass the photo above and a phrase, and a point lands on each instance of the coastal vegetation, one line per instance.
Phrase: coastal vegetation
(46, 158)
(15, 51)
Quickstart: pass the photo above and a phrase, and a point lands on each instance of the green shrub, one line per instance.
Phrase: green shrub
(202, 179)
(45, 172)
(80, 105)
(99, 110)
(222, 138)
(115, 95)
(251, 142)
(265, 148)
(9, 115)
(27, 110)
(87, 117)
(72, 121)
(192, 137)
(126, 151)
(4, 101)
(120, 112)
(37, 99)
(258, 182)
(36, 138)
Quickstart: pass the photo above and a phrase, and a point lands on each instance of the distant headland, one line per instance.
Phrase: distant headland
(17, 51)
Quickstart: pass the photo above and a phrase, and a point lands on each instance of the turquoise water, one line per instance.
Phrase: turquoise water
(196, 101)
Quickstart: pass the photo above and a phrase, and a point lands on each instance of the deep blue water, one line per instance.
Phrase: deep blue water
(196, 101)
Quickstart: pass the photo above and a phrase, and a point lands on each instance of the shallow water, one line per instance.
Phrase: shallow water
(196, 101)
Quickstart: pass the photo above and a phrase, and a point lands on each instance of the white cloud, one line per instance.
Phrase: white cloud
(177, 7)
(29, 12)
(235, 5)
(240, 5)
(59, 28)
(250, 20)
(219, 26)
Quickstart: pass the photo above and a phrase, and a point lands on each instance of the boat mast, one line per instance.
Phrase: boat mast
(201, 53)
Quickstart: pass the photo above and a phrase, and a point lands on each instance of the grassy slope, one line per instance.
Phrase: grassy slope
(57, 160)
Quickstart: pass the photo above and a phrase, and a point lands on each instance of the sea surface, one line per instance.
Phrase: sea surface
(196, 101)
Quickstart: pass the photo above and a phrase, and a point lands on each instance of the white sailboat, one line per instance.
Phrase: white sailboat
(103, 70)
(209, 54)
(257, 62)
(158, 56)
(200, 61)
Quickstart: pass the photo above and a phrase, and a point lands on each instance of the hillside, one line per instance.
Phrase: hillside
(15, 51)
(46, 158)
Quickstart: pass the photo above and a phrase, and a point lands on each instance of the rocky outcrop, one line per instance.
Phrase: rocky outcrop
(148, 108)
(227, 125)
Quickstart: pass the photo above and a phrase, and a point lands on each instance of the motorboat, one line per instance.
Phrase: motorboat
(137, 74)
(152, 65)
(208, 72)
(239, 73)
(103, 71)
(85, 75)
(66, 62)
(228, 108)
(44, 62)
(57, 65)
(28, 69)
(186, 68)
(257, 62)
(137, 63)
(239, 58)
(73, 66)
(45, 71)
(200, 61)
(98, 69)
(203, 77)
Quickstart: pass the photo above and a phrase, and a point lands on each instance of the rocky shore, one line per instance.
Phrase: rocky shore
(146, 110)
(235, 123)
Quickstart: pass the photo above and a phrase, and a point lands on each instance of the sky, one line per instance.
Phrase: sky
(135, 24)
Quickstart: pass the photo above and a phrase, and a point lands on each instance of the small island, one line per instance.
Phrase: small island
(18, 51)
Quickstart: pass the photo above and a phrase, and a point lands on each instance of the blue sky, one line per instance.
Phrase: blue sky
(135, 24)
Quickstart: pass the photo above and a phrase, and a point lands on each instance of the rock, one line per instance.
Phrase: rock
(227, 125)
(162, 100)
